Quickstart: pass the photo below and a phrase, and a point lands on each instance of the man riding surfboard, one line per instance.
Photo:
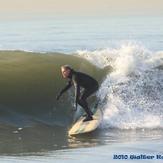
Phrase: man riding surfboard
(78, 80)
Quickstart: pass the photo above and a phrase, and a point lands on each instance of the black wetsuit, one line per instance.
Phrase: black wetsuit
(90, 85)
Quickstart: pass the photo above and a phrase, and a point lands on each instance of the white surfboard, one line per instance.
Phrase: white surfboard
(81, 127)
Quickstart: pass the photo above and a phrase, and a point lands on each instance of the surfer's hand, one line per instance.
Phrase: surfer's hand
(74, 108)
(58, 96)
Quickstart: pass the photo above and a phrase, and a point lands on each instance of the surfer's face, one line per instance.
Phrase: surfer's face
(65, 72)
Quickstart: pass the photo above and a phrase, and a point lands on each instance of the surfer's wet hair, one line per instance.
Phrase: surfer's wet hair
(67, 67)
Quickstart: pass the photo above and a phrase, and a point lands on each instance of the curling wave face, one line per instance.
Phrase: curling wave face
(29, 83)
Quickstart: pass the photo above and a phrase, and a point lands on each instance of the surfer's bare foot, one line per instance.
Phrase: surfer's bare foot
(87, 119)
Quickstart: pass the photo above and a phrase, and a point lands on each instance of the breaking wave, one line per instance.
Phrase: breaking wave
(132, 94)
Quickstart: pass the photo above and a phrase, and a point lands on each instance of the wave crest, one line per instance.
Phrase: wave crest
(132, 94)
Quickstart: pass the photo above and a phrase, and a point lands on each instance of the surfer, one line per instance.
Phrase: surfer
(79, 79)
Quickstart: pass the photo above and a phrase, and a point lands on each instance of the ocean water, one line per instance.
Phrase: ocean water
(125, 55)
(69, 34)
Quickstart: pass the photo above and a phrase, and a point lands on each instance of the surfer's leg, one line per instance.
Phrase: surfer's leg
(87, 93)
(84, 104)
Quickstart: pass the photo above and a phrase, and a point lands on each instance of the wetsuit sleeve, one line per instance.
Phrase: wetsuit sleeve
(77, 91)
(66, 88)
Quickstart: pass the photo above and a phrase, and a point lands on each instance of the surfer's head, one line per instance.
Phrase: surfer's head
(66, 71)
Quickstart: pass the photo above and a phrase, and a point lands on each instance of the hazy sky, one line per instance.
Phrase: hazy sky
(85, 7)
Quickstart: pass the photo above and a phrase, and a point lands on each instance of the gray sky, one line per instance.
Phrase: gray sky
(86, 7)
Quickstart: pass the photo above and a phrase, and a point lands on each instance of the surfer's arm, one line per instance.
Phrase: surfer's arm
(65, 88)
(77, 93)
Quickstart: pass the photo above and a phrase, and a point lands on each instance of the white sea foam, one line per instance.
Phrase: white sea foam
(132, 95)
